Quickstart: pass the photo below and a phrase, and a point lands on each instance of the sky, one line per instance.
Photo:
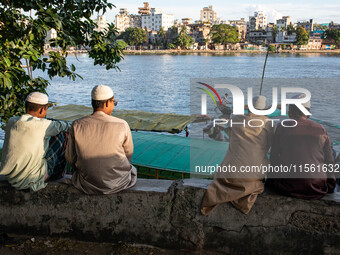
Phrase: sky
(320, 11)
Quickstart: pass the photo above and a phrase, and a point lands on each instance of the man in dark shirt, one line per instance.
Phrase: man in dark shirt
(306, 148)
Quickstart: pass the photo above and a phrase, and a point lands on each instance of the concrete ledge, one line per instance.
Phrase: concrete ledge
(167, 214)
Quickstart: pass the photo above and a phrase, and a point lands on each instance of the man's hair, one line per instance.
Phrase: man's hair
(34, 107)
(99, 103)
(295, 112)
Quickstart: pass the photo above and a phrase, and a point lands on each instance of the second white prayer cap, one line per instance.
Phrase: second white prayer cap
(101, 92)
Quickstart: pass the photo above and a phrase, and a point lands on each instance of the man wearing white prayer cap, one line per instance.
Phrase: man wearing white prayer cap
(34, 147)
(250, 138)
(100, 148)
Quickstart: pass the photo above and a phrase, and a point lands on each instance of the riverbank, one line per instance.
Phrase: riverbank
(213, 52)
(224, 52)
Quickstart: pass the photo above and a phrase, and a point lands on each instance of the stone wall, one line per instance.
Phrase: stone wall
(167, 214)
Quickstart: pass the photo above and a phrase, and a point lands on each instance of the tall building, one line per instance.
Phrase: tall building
(257, 22)
(122, 20)
(101, 22)
(284, 22)
(208, 14)
(156, 19)
(145, 10)
(125, 20)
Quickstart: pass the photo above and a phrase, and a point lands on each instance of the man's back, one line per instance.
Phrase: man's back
(307, 149)
(308, 142)
(25, 146)
(100, 148)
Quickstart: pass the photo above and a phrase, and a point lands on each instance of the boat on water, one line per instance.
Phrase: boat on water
(162, 149)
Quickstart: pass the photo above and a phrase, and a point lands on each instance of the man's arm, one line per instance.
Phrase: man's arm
(128, 143)
(70, 153)
(56, 126)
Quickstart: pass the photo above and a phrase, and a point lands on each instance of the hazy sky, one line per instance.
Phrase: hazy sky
(321, 11)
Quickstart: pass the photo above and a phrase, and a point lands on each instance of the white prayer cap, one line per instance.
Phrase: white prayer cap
(101, 92)
(37, 98)
(307, 104)
(260, 102)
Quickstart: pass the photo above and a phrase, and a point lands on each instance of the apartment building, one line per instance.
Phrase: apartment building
(307, 24)
(156, 19)
(241, 27)
(122, 21)
(208, 14)
(283, 23)
(257, 22)
(125, 20)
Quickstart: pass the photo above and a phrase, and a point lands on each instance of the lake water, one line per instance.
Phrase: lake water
(161, 83)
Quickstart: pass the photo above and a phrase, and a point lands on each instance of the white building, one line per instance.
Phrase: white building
(257, 22)
(283, 37)
(283, 23)
(156, 19)
(102, 23)
(122, 20)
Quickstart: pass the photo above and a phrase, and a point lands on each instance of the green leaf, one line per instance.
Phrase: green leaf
(7, 61)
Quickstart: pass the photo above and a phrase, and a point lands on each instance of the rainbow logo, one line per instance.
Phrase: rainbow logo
(209, 93)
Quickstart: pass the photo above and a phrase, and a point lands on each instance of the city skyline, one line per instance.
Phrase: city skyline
(301, 10)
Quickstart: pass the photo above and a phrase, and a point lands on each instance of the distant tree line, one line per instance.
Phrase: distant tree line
(178, 37)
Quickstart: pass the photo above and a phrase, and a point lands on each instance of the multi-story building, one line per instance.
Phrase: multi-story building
(122, 20)
(187, 21)
(283, 23)
(200, 33)
(308, 25)
(241, 27)
(315, 43)
(257, 22)
(125, 20)
(135, 20)
(282, 37)
(208, 14)
(101, 22)
(145, 10)
(257, 37)
(156, 19)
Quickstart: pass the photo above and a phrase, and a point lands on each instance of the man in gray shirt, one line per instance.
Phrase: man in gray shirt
(100, 148)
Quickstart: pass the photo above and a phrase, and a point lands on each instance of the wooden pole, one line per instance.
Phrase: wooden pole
(264, 69)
